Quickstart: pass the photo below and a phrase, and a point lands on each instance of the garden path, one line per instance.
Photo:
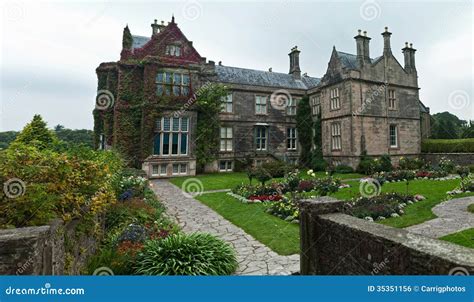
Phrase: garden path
(254, 257)
(452, 215)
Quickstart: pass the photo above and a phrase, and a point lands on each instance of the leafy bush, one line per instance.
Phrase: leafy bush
(446, 165)
(262, 175)
(318, 163)
(448, 145)
(77, 183)
(285, 209)
(385, 163)
(327, 185)
(462, 171)
(367, 165)
(182, 254)
(406, 163)
(276, 168)
(396, 175)
(344, 169)
(383, 205)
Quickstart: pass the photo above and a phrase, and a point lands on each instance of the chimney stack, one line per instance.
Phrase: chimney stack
(295, 70)
(387, 50)
(409, 55)
(362, 44)
(155, 28)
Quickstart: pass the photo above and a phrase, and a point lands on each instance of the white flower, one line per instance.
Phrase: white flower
(310, 171)
(313, 175)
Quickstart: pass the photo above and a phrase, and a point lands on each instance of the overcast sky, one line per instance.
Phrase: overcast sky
(49, 51)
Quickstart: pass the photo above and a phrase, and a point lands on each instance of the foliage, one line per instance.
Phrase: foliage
(445, 125)
(127, 39)
(446, 164)
(385, 163)
(383, 205)
(262, 175)
(78, 183)
(367, 165)
(448, 145)
(397, 175)
(408, 163)
(462, 171)
(344, 169)
(6, 138)
(276, 168)
(182, 254)
(36, 134)
(75, 137)
(286, 209)
(304, 126)
(327, 185)
(208, 101)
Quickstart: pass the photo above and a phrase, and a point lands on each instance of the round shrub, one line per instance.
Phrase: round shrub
(187, 254)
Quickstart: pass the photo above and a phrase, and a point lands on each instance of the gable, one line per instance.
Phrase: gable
(156, 46)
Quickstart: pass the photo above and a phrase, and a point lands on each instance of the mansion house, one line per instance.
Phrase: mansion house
(367, 105)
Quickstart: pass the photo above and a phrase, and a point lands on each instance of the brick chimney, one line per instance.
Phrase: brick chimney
(409, 55)
(362, 44)
(295, 70)
(387, 50)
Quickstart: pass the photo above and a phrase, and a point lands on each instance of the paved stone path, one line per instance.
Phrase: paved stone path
(452, 215)
(254, 257)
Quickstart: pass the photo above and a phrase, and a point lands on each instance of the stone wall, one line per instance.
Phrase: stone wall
(463, 159)
(334, 243)
(54, 249)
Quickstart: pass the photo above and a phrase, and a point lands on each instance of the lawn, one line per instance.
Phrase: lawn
(279, 235)
(434, 191)
(219, 181)
(464, 238)
(283, 237)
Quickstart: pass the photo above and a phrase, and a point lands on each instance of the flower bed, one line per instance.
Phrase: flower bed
(285, 209)
(381, 206)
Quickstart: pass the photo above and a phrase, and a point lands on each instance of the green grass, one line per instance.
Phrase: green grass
(470, 208)
(219, 181)
(279, 235)
(464, 238)
(434, 191)
(283, 237)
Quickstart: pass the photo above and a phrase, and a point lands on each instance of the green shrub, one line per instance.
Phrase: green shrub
(182, 254)
(344, 169)
(262, 175)
(448, 145)
(446, 164)
(367, 165)
(407, 163)
(471, 168)
(276, 168)
(383, 205)
(318, 163)
(385, 163)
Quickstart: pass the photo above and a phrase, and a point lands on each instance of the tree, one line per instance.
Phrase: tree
(304, 126)
(36, 133)
(445, 125)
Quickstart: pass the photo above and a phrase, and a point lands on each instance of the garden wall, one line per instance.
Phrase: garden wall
(54, 249)
(338, 244)
(462, 159)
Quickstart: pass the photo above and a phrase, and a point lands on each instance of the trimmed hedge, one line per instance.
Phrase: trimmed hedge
(448, 145)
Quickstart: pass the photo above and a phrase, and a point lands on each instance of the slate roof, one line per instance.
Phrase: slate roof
(423, 108)
(350, 60)
(139, 41)
(245, 76)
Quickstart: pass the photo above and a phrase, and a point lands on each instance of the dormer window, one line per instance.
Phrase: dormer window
(173, 50)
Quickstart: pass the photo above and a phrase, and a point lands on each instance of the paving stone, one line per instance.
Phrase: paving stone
(254, 257)
(452, 215)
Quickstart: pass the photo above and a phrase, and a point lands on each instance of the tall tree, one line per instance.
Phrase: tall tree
(304, 126)
(37, 133)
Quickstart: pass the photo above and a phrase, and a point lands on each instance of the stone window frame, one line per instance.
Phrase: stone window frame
(182, 132)
(395, 134)
(165, 81)
(291, 106)
(259, 138)
(180, 166)
(228, 165)
(226, 102)
(392, 100)
(173, 50)
(160, 171)
(315, 102)
(291, 139)
(228, 141)
(334, 99)
(336, 136)
(259, 104)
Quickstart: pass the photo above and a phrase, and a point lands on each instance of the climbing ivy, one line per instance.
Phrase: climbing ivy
(304, 125)
(208, 105)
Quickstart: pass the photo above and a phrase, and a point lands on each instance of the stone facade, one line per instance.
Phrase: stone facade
(366, 105)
